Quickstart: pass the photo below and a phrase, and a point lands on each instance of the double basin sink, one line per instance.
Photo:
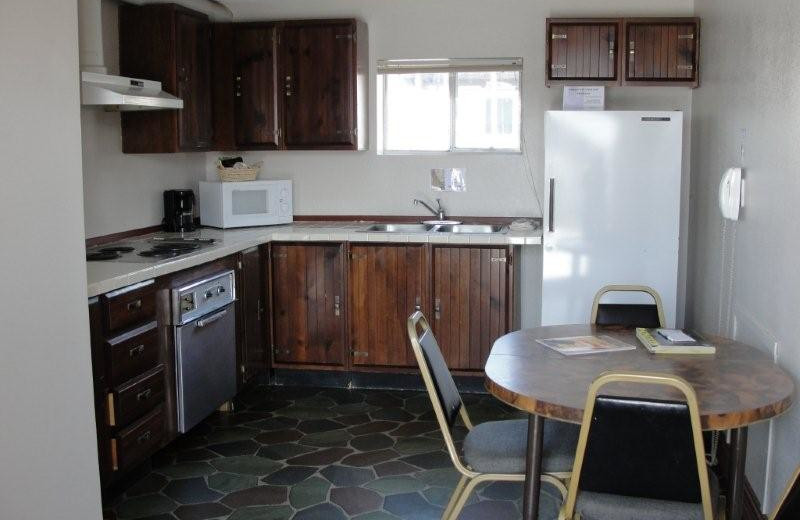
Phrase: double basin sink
(437, 228)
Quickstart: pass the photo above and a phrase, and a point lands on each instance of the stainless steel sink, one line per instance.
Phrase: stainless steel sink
(399, 228)
(470, 228)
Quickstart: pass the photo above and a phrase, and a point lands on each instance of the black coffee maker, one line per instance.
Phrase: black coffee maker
(178, 211)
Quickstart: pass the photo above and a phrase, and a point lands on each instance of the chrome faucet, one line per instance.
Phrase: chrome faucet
(438, 212)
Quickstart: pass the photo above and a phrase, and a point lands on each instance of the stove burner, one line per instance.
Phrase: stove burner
(159, 253)
(117, 249)
(102, 255)
(176, 247)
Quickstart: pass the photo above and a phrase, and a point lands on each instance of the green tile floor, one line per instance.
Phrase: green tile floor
(296, 453)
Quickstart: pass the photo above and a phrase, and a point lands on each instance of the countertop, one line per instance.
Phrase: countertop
(103, 277)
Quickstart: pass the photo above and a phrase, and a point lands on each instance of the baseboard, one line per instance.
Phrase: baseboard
(751, 506)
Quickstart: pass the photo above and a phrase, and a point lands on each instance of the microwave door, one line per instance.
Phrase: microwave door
(248, 206)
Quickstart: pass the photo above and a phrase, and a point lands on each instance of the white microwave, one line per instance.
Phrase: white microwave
(248, 203)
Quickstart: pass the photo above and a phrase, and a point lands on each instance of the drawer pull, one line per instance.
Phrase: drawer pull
(144, 395)
(136, 351)
(145, 437)
(134, 305)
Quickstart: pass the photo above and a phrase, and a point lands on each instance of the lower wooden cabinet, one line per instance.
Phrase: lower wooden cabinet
(308, 304)
(471, 302)
(387, 283)
(252, 289)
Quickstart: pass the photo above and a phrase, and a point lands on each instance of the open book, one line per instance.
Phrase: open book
(580, 345)
(655, 340)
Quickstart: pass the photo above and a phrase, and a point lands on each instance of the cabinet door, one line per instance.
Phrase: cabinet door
(319, 72)
(470, 303)
(387, 284)
(582, 51)
(193, 35)
(308, 304)
(662, 51)
(256, 90)
(251, 290)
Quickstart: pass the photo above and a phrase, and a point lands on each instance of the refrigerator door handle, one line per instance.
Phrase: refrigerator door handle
(551, 212)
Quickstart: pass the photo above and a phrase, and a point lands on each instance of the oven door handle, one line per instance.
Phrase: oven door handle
(211, 319)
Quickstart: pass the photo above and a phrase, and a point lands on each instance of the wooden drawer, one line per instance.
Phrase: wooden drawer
(132, 353)
(130, 305)
(138, 441)
(133, 399)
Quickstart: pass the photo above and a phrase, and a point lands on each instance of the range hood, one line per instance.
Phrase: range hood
(121, 93)
(98, 88)
(124, 94)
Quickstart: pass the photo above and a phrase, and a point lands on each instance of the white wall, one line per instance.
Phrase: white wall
(745, 282)
(48, 454)
(124, 192)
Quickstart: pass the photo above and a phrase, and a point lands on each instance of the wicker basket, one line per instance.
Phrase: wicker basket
(238, 174)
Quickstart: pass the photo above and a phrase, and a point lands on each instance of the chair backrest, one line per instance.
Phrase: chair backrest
(641, 447)
(442, 390)
(628, 314)
(789, 506)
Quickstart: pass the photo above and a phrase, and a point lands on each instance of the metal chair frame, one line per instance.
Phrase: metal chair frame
(469, 477)
(568, 510)
(629, 288)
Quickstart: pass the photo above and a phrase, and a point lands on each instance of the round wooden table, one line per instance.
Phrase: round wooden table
(737, 386)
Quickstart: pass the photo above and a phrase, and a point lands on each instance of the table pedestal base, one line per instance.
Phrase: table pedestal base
(533, 468)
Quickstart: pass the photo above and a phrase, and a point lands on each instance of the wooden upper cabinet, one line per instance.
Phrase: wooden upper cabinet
(256, 86)
(662, 51)
(582, 50)
(308, 304)
(388, 282)
(323, 78)
(170, 44)
(194, 80)
(471, 302)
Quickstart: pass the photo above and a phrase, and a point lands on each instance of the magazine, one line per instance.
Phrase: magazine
(581, 345)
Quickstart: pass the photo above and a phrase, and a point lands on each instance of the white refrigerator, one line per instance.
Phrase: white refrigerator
(612, 209)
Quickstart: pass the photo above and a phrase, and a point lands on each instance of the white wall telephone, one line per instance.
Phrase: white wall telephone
(730, 193)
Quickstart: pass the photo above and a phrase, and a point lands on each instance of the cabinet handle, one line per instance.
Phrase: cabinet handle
(144, 395)
(145, 437)
(114, 460)
(136, 351)
(336, 306)
(632, 51)
(437, 308)
(417, 305)
(134, 305)
(552, 209)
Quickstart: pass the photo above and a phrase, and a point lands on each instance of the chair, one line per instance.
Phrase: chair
(493, 450)
(628, 314)
(789, 506)
(640, 459)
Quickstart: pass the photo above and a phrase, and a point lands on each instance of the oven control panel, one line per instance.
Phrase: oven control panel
(202, 297)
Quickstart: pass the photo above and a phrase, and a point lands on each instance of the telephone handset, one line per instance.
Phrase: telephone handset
(730, 193)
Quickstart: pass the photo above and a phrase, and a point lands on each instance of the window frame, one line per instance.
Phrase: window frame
(452, 67)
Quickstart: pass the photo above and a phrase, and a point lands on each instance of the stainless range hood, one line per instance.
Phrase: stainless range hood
(98, 88)
(124, 94)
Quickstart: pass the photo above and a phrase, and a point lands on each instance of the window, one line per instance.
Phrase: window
(429, 106)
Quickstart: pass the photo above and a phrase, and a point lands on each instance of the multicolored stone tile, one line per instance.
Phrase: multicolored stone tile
(290, 453)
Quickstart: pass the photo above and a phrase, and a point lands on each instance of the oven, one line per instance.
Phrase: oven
(248, 203)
